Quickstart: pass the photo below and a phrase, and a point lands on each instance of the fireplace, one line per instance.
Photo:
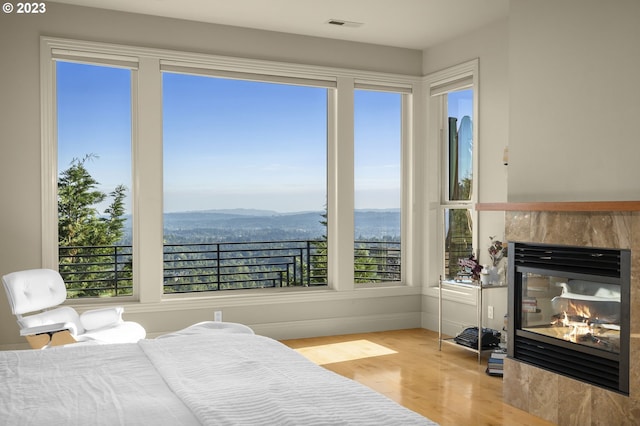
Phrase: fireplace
(569, 311)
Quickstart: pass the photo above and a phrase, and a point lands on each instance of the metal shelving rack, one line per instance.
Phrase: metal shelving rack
(479, 288)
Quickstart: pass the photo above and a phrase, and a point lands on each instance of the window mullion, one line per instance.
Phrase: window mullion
(49, 159)
(340, 187)
(408, 224)
(147, 182)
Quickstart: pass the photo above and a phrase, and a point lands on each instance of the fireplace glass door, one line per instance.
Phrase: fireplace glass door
(569, 311)
(580, 311)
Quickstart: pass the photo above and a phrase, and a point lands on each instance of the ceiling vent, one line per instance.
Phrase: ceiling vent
(343, 23)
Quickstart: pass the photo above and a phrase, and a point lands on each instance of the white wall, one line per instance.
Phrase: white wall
(20, 222)
(574, 100)
(490, 46)
(558, 86)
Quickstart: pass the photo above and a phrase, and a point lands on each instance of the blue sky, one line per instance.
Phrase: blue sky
(95, 118)
(241, 144)
(377, 150)
(229, 143)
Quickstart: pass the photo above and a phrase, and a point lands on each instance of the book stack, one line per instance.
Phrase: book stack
(529, 304)
(496, 362)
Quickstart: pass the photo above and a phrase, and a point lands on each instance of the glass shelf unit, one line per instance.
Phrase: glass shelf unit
(479, 317)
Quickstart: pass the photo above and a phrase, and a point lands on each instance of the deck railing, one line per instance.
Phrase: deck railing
(232, 266)
(97, 271)
(377, 261)
(196, 267)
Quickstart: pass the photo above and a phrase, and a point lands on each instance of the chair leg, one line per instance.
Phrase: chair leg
(44, 340)
(63, 337)
(38, 341)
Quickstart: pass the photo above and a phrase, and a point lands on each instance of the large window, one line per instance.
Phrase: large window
(377, 186)
(244, 183)
(172, 172)
(94, 178)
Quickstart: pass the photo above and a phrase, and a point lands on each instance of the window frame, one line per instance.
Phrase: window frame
(127, 64)
(460, 77)
(49, 141)
(406, 107)
(147, 205)
(231, 78)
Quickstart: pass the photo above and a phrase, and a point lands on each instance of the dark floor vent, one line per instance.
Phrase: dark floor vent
(569, 362)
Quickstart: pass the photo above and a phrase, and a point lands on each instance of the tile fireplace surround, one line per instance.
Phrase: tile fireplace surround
(553, 397)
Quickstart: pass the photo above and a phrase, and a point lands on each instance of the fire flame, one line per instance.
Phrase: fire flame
(580, 310)
(577, 328)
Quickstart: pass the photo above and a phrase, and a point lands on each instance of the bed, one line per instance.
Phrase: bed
(202, 376)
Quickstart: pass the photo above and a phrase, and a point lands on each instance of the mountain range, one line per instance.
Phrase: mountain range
(267, 225)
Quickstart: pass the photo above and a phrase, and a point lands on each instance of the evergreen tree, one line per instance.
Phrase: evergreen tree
(318, 260)
(366, 267)
(87, 236)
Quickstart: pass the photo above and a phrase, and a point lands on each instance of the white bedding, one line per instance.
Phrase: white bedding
(86, 385)
(210, 379)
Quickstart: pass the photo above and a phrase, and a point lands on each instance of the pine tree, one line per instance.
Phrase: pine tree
(88, 236)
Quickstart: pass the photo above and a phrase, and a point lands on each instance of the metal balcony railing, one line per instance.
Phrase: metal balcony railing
(233, 266)
(377, 261)
(96, 271)
(99, 271)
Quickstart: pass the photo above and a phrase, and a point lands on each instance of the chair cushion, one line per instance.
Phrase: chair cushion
(34, 289)
(98, 318)
(62, 314)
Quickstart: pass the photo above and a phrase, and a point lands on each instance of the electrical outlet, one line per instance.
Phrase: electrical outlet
(490, 312)
(217, 316)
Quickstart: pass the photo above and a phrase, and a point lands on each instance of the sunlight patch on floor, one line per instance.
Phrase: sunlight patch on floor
(344, 351)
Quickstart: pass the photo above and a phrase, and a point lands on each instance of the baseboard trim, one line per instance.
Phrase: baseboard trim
(338, 326)
(319, 327)
(449, 327)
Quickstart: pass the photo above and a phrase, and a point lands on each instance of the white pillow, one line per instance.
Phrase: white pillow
(98, 318)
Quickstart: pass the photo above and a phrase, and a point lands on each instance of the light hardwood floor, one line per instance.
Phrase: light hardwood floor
(447, 386)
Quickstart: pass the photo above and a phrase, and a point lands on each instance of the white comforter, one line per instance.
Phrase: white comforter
(211, 379)
(86, 385)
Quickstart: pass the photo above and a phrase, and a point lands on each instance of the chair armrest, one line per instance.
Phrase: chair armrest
(49, 328)
(98, 318)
